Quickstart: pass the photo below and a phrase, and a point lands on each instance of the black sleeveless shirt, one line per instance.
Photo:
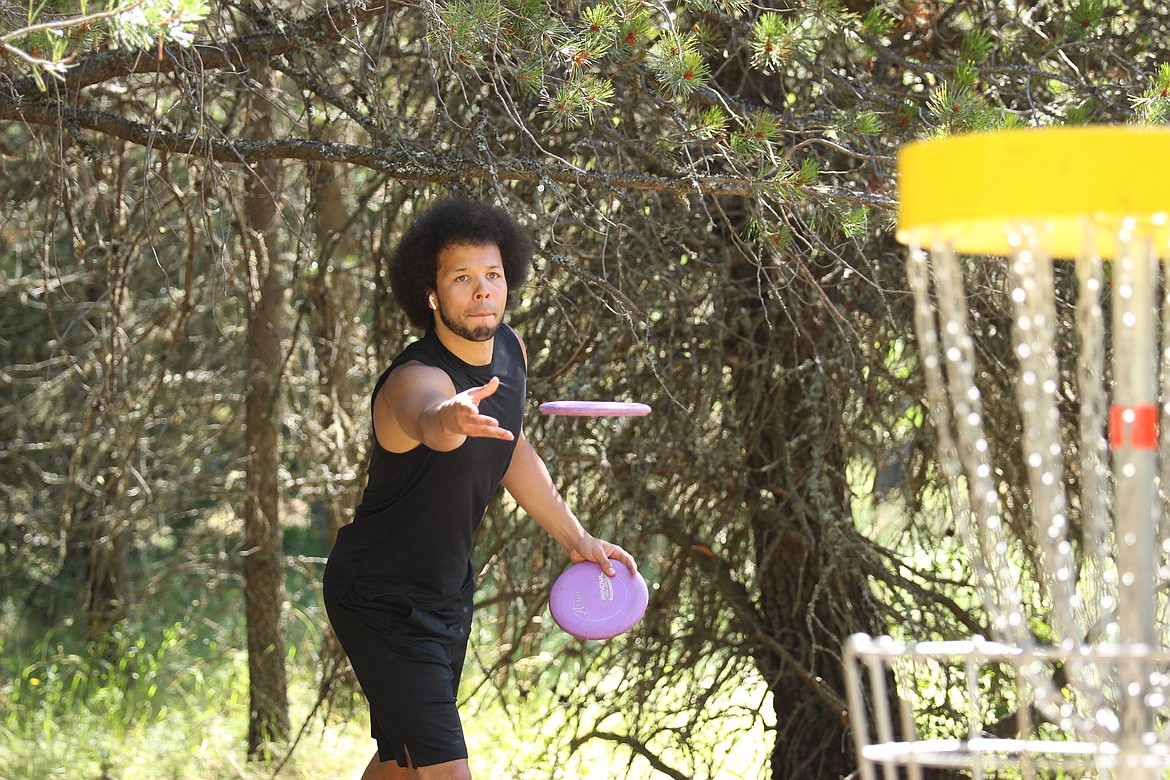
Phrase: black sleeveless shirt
(411, 534)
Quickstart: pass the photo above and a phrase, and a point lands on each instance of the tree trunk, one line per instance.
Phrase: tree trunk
(268, 722)
(101, 529)
(333, 295)
(811, 589)
(105, 579)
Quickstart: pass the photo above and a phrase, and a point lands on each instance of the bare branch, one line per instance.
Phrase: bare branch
(634, 745)
(404, 163)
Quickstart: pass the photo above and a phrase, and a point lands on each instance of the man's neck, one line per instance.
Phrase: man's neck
(473, 353)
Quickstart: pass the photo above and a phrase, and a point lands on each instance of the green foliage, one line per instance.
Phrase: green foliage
(530, 76)
(585, 50)
(770, 235)
(72, 710)
(1081, 113)
(528, 21)
(976, 46)
(465, 31)
(711, 124)
(169, 698)
(809, 170)
(877, 22)
(776, 41)
(1153, 107)
(755, 135)
(57, 32)
(732, 8)
(142, 24)
(600, 23)
(679, 64)
(578, 98)
(709, 38)
(635, 33)
(958, 105)
(855, 223)
(165, 694)
(1083, 18)
(866, 123)
(829, 16)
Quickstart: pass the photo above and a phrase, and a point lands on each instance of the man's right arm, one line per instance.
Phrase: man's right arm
(418, 404)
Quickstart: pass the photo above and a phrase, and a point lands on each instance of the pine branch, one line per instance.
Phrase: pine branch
(237, 54)
(1030, 72)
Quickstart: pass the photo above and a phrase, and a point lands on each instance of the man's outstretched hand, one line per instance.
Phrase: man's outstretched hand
(460, 416)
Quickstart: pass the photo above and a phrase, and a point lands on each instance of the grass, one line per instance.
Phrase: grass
(167, 696)
(170, 700)
(168, 704)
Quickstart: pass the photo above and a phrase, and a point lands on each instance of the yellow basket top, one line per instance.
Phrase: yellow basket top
(976, 190)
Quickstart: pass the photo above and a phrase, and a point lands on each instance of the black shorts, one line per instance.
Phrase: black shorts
(408, 660)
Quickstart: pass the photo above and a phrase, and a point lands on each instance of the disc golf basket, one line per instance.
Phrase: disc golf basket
(1090, 699)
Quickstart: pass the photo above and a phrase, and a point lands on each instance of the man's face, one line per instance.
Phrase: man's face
(471, 290)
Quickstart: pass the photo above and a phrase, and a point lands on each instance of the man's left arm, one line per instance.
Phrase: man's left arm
(528, 481)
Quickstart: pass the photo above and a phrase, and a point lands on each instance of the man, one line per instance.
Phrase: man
(447, 418)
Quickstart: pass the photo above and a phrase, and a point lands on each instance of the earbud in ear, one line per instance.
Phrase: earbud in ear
(433, 302)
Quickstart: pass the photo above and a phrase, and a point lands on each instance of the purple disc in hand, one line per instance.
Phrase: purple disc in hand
(595, 408)
(589, 604)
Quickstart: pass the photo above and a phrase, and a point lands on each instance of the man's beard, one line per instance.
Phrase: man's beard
(478, 333)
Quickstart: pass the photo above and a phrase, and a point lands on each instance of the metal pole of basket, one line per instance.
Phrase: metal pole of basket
(1133, 438)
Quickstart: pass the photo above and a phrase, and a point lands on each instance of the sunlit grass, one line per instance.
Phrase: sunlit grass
(171, 702)
(157, 710)
(167, 696)
(537, 734)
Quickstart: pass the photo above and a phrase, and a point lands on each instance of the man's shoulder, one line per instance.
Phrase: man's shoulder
(515, 344)
(415, 350)
(510, 335)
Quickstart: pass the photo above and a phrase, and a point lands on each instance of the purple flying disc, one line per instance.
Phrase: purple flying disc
(595, 408)
(589, 604)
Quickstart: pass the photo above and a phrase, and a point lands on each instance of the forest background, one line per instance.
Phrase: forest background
(194, 197)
